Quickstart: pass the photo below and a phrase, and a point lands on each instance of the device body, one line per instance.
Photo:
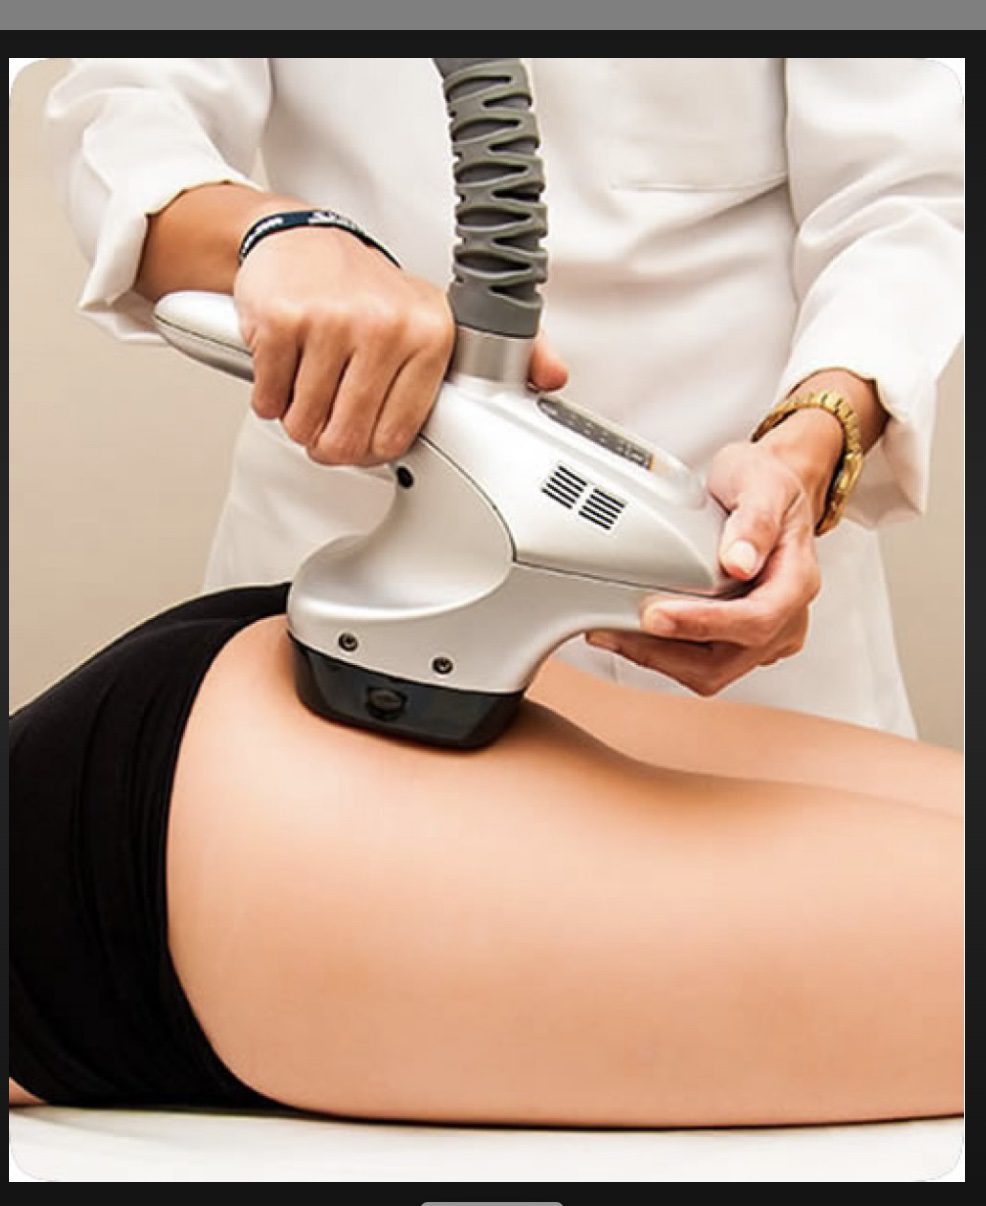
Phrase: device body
(516, 520)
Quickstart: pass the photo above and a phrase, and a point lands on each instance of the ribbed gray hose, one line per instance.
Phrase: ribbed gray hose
(498, 262)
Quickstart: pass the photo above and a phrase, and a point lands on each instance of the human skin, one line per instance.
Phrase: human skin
(675, 922)
(725, 916)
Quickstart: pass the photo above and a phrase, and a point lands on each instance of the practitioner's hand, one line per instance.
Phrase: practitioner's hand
(348, 350)
(768, 540)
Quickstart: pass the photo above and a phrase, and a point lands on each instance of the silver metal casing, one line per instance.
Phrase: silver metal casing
(522, 520)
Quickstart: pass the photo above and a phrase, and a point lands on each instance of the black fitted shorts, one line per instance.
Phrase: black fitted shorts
(97, 1014)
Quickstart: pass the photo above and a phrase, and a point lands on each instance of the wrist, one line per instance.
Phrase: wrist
(192, 243)
(810, 443)
(295, 219)
(860, 392)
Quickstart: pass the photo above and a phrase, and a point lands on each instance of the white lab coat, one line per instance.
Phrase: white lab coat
(718, 229)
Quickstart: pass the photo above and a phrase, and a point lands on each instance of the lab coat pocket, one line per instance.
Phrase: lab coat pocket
(695, 124)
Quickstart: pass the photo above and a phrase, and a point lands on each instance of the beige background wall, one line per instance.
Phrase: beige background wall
(119, 455)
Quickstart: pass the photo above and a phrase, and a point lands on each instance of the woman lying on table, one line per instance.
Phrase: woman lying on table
(632, 910)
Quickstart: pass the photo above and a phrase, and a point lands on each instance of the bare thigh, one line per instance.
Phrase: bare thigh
(715, 736)
(548, 931)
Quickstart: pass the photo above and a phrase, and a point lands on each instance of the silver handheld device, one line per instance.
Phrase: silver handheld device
(517, 520)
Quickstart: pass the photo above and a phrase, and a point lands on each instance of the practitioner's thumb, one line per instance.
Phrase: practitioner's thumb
(757, 500)
(755, 491)
(749, 536)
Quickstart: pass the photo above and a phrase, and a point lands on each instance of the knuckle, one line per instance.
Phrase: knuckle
(339, 446)
(380, 320)
(280, 317)
(299, 428)
(723, 469)
(734, 453)
(325, 316)
(435, 330)
(266, 405)
(390, 442)
(761, 523)
(317, 454)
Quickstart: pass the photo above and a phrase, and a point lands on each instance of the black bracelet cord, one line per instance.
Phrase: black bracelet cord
(292, 219)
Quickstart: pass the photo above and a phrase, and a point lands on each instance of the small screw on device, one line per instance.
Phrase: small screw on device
(442, 665)
(348, 642)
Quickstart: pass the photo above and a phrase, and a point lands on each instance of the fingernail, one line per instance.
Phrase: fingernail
(743, 556)
(658, 622)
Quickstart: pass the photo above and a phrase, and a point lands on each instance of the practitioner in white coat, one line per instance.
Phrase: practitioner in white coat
(727, 237)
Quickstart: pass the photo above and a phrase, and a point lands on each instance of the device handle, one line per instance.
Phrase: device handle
(206, 327)
(498, 262)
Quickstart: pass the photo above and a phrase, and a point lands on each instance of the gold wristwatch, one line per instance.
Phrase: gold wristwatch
(850, 463)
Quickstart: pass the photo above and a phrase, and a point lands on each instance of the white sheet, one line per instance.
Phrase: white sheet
(61, 1144)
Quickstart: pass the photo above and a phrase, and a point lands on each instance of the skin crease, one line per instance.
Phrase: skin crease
(559, 930)
(351, 370)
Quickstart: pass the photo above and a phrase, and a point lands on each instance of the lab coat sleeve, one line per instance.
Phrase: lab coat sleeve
(125, 137)
(876, 176)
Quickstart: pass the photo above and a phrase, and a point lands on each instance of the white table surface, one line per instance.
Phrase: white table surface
(61, 1144)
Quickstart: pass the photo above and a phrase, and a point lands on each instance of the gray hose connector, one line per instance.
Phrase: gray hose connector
(498, 262)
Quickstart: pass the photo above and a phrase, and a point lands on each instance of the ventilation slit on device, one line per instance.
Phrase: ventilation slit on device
(564, 486)
(602, 509)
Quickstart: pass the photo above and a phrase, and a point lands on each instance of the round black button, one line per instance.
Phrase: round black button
(384, 703)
